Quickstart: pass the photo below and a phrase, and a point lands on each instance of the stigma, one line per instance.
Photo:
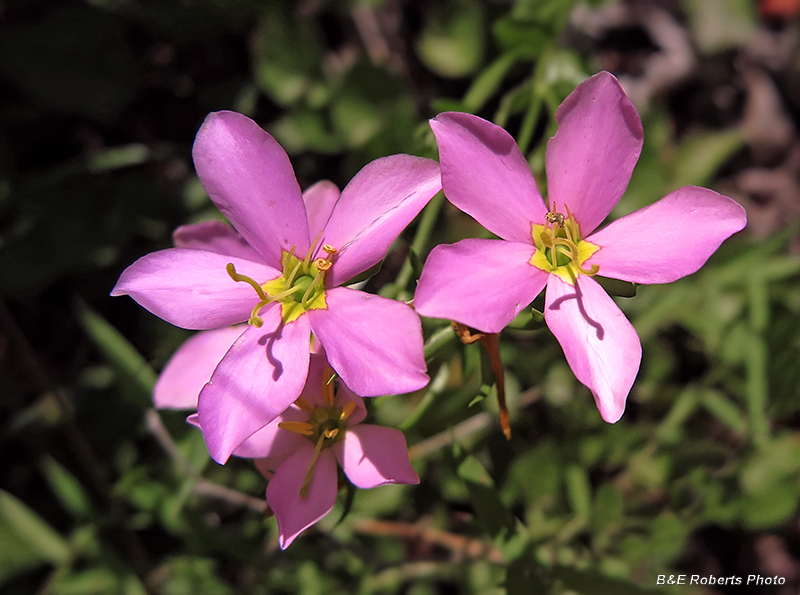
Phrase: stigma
(559, 248)
(301, 286)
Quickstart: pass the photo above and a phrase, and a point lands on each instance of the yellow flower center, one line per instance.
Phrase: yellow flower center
(300, 288)
(559, 248)
(325, 426)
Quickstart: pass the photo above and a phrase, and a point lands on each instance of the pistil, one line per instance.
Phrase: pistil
(325, 426)
(300, 288)
(559, 248)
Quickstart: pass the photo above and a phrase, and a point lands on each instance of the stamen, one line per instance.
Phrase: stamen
(348, 409)
(330, 249)
(327, 386)
(322, 264)
(330, 434)
(279, 296)
(304, 405)
(293, 275)
(298, 427)
(310, 472)
(245, 279)
(312, 249)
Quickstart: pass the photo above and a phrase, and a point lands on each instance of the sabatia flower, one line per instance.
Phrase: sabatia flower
(299, 449)
(284, 277)
(485, 283)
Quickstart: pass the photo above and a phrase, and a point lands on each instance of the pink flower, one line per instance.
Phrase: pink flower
(282, 275)
(298, 450)
(302, 445)
(485, 283)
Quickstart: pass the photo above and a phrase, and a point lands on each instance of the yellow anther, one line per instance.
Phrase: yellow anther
(298, 427)
(332, 433)
(348, 410)
(327, 248)
(322, 264)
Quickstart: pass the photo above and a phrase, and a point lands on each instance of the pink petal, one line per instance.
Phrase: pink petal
(668, 239)
(372, 456)
(600, 345)
(485, 175)
(481, 283)
(313, 390)
(377, 204)
(319, 199)
(191, 288)
(590, 159)
(214, 236)
(374, 344)
(191, 367)
(249, 177)
(256, 381)
(272, 444)
(295, 514)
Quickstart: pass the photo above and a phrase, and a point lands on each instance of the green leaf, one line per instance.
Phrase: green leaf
(724, 410)
(99, 581)
(491, 514)
(487, 82)
(608, 507)
(593, 583)
(286, 55)
(528, 319)
(523, 578)
(120, 353)
(67, 489)
(579, 491)
(189, 575)
(544, 464)
(31, 530)
(770, 508)
(305, 131)
(452, 40)
(16, 556)
(616, 287)
(701, 154)
(776, 461)
(719, 25)
(526, 38)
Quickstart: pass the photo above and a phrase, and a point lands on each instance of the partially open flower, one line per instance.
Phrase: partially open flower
(486, 283)
(284, 278)
(298, 452)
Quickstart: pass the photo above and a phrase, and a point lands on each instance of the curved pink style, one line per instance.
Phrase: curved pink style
(485, 283)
